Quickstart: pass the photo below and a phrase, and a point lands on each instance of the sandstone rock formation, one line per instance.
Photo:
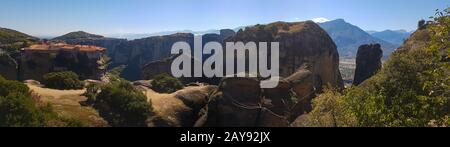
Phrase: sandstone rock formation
(300, 42)
(309, 60)
(368, 62)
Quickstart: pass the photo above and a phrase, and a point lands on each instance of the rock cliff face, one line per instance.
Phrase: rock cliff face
(152, 69)
(137, 53)
(8, 67)
(368, 62)
(162, 65)
(300, 43)
(39, 60)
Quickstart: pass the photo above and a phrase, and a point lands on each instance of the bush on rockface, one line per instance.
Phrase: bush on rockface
(165, 83)
(62, 80)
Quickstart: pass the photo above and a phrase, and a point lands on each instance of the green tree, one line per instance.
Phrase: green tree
(330, 110)
(123, 105)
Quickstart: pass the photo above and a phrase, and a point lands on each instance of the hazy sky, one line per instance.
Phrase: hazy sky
(57, 17)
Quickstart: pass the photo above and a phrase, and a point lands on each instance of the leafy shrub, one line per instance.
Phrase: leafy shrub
(123, 105)
(165, 83)
(91, 93)
(18, 108)
(62, 80)
(330, 110)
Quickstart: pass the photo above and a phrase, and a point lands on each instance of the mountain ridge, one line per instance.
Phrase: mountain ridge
(396, 37)
(349, 37)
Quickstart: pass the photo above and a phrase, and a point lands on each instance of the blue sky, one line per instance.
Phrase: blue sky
(57, 17)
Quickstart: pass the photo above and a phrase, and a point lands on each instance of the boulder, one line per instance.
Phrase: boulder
(195, 97)
(178, 109)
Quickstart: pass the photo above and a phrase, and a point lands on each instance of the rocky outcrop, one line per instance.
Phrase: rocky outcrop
(368, 62)
(8, 67)
(300, 43)
(237, 103)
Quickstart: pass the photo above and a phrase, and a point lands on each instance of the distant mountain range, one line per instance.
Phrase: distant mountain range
(133, 36)
(396, 37)
(349, 37)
